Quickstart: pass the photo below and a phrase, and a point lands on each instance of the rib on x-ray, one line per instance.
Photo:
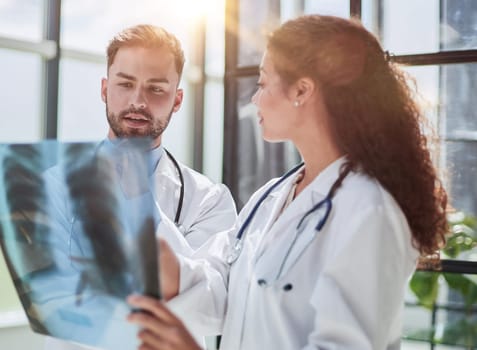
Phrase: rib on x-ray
(78, 234)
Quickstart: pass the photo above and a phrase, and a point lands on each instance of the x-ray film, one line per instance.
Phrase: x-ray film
(77, 231)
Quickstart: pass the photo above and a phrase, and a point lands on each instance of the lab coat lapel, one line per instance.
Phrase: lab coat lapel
(306, 233)
(271, 208)
(166, 186)
(283, 232)
(276, 200)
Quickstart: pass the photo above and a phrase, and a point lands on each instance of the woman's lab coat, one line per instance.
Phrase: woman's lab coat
(207, 208)
(341, 288)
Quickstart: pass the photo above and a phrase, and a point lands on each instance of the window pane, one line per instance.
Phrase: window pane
(449, 25)
(461, 158)
(257, 19)
(459, 24)
(89, 25)
(458, 102)
(215, 42)
(459, 116)
(22, 19)
(402, 32)
(213, 130)
(444, 93)
(20, 119)
(82, 115)
(428, 92)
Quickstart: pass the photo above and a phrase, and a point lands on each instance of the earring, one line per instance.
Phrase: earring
(296, 104)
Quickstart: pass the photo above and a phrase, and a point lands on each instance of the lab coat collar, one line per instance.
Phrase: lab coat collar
(312, 194)
(167, 170)
(321, 184)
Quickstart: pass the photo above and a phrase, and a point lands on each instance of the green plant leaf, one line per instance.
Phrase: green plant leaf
(425, 287)
(466, 287)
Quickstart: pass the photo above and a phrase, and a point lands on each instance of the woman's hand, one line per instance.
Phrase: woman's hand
(161, 329)
(169, 271)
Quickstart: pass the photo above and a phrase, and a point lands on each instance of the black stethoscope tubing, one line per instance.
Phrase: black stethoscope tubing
(237, 245)
(250, 216)
(181, 194)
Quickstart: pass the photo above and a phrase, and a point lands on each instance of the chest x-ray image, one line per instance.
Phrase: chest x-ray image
(77, 231)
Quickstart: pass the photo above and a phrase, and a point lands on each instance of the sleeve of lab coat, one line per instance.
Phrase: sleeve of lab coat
(202, 299)
(361, 288)
(216, 213)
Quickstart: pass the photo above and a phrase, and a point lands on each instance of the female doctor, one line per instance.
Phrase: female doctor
(321, 257)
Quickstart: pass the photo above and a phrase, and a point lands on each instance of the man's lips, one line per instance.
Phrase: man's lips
(134, 116)
(135, 120)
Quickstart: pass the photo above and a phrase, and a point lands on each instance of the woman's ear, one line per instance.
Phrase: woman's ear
(303, 90)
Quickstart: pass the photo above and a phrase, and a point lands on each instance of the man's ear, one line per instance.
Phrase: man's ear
(178, 100)
(104, 89)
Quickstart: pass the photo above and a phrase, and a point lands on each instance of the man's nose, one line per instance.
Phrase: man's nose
(138, 99)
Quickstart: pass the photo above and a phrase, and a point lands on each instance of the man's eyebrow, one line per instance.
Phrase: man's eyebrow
(125, 76)
(133, 78)
(158, 80)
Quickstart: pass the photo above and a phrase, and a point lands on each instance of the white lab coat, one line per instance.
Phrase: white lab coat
(340, 288)
(207, 208)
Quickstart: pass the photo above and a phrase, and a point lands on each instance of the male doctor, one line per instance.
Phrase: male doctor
(141, 92)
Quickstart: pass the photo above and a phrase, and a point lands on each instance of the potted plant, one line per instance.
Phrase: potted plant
(460, 324)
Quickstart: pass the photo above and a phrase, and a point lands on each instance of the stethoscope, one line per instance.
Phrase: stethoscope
(325, 204)
(181, 193)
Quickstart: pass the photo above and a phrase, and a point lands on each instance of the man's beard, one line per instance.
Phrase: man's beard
(154, 130)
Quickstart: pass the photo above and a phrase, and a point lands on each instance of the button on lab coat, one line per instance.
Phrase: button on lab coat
(340, 288)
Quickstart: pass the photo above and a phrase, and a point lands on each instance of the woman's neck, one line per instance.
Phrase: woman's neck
(317, 156)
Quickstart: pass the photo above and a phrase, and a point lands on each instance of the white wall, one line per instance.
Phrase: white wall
(20, 338)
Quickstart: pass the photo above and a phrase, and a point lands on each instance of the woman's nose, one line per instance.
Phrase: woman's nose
(255, 98)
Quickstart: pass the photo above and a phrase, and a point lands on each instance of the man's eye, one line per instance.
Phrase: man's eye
(156, 89)
(125, 84)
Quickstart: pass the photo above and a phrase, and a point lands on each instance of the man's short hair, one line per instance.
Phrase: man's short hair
(147, 36)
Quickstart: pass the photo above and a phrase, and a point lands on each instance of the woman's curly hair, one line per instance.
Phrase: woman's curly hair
(375, 119)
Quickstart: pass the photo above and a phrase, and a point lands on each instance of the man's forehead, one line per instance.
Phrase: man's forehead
(158, 59)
